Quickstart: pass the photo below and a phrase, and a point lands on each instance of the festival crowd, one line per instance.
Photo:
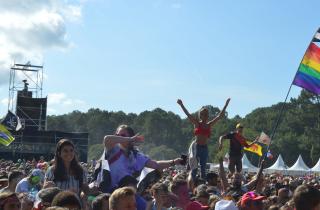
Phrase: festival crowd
(116, 181)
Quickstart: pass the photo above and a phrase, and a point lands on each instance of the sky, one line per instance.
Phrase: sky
(137, 55)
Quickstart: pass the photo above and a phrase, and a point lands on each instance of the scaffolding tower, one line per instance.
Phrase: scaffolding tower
(25, 95)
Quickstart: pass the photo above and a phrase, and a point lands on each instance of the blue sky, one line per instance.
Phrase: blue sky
(139, 55)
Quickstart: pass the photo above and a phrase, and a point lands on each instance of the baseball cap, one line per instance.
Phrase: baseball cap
(250, 196)
(36, 172)
(239, 125)
(225, 205)
(195, 205)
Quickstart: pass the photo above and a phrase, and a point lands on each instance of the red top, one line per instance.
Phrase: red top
(241, 140)
(200, 130)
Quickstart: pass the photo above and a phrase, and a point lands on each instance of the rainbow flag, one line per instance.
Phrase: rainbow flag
(308, 74)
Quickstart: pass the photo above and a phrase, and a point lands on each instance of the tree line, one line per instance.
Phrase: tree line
(167, 135)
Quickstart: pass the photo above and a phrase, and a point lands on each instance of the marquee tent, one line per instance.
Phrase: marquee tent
(299, 168)
(316, 168)
(278, 166)
(247, 166)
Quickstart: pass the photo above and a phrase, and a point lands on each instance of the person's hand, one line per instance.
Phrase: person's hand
(48, 184)
(136, 139)
(179, 102)
(177, 161)
(256, 140)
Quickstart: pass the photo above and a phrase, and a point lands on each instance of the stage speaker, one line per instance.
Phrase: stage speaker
(32, 111)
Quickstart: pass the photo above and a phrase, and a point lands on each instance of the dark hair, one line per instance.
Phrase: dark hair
(127, 181)
(127, 128)
(211, 175)
(97, 202)
(48, 194)
(306, 197)
(66, 198)
(59, 170)
(159, 187)
(176, 184)
(14, 174)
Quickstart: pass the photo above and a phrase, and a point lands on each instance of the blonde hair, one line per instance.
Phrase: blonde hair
(118, 194)
(201, 110)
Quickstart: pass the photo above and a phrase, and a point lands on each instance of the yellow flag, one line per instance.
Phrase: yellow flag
(5, 136)
(255, 148)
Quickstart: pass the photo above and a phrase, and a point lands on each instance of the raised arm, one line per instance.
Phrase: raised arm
(221, 114)
(224, 182)
(162, 164)
(190, 117)
(111, 140)
(252, 143)
(220, 141)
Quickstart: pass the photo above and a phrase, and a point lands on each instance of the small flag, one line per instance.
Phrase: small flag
(5, 136)
(316, 37)
(264, 138)
(147, 176)
(12, 121)
(255, 148)
(193, 162)
(269, 155)
(101, 175)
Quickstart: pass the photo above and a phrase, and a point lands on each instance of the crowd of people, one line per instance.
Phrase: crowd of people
(115, 182)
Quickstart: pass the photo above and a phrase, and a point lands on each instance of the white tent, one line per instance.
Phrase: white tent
(299, 167)
(214, 167)
(247, 166)
(278, 166)
(316, 168)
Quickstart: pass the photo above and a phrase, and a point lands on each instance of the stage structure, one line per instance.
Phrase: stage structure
(25, 99)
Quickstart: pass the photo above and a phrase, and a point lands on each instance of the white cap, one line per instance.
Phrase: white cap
(225, 205)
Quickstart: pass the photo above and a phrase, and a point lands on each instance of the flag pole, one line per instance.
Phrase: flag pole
(282, 109)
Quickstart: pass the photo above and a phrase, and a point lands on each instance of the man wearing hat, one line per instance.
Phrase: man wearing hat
(32, 183)
(225, 205)
(237, 142)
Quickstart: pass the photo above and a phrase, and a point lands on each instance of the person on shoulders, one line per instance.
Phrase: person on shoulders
(202, 132)
(123, 157)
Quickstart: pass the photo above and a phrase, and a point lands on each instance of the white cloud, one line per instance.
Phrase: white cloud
(60, 103)
(28, 28)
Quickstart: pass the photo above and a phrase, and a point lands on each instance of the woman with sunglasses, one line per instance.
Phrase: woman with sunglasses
(124, 158)
(66, 172)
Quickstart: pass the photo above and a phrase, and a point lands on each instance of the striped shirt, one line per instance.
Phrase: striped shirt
(71, 183)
